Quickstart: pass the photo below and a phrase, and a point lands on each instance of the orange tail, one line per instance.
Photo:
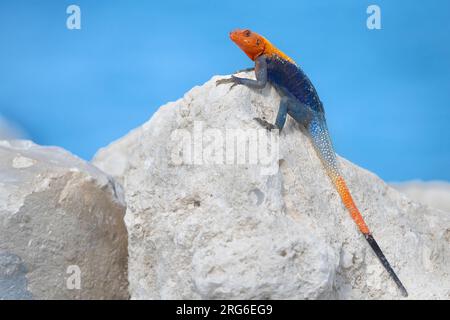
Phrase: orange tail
(359, 220)
(347, 199)
(319, 135)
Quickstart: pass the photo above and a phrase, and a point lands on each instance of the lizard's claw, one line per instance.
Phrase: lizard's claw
(224, 81)
(234, 84)
(265, 124)
(232, 80)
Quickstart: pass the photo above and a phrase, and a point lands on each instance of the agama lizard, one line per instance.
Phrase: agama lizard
(300, 100)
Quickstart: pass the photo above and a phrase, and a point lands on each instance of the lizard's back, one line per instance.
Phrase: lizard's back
(291, 77)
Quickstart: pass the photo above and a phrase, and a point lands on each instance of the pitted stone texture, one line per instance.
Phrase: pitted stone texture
(224, 231)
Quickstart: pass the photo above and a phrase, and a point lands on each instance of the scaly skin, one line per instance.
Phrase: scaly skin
(301, 101)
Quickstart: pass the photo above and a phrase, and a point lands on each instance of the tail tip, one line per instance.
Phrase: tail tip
(404, 292)
(385, 263)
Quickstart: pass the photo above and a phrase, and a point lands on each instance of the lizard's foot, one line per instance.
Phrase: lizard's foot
(232, 80)
(224, 81)
(265, 124)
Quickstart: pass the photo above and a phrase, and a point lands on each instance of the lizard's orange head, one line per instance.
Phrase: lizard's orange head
(250, 42)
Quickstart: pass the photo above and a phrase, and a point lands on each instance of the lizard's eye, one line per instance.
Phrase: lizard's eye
(258, 42)
(247, 33)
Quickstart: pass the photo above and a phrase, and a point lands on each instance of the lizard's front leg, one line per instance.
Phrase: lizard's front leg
(260, 73)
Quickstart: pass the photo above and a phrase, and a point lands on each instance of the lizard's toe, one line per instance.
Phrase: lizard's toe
(265, 124)
(234, 80)
(225, 81)
(233, 85)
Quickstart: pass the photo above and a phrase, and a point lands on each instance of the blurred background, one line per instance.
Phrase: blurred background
(386, 92)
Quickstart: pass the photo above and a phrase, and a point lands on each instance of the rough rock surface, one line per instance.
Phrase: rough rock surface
(59, 216)
(203, 228)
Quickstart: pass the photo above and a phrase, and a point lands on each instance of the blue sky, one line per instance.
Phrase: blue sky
(386, 92)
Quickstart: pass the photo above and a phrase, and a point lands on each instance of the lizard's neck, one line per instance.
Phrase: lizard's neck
(271, 50)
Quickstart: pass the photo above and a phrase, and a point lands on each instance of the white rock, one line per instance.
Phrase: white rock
(213, 230)
(117, 165)
(53, 218)
(22, 162)
(435, 194)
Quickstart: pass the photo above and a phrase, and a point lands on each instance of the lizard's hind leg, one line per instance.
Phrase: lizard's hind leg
(301, 113)
(288, 105)
(281, 116)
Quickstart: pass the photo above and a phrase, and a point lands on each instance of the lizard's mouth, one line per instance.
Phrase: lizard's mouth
(234, 36)
(248, 42)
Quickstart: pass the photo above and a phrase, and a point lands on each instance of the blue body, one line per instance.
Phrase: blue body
(304, 106)
(292, 78)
